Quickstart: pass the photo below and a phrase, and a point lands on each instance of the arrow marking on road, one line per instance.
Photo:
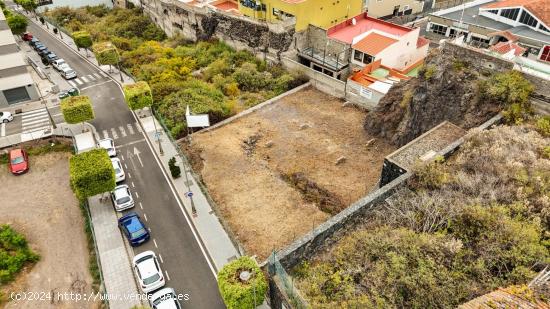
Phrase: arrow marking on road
(137, 153)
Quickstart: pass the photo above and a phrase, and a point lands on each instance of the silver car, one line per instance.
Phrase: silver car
(119, 172)
(122, 199)
(109, 145)
(67, 72)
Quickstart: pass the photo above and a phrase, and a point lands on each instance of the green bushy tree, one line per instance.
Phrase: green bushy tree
(14, 253)
(138, 95)
(240, 294)
(17, 23)
(91, 173)
(77, 109)
(82, 39)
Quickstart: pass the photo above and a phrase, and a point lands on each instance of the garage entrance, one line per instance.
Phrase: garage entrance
(16, 95)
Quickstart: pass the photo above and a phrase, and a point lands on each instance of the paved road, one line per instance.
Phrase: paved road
(172, 238)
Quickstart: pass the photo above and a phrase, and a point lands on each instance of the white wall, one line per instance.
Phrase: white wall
(402, 53)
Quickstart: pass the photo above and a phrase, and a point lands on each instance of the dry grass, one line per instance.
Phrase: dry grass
(243, 164)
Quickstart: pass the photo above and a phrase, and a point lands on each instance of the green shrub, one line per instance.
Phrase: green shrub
(14, 254)
(546, 152)
(407, 98)
(105, 53)
(174, 169)
(459, 65)
(17, 23)
(82, 39)
(138, 95)
(239, 294)
(543, 126)
(432, 175)
(77, 109)
(429, 71)
(91, 173)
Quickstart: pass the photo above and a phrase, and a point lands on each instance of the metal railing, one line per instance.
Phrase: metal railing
(276, 269)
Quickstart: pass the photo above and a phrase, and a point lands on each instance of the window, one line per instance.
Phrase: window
(545, 53)
(493, 12)
(510, 13)
(527, 19)
(543, 28)
(479, 42)
(442, 30)
(357, 55)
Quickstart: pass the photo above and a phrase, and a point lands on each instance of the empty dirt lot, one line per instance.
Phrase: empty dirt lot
(273, 173)
(41, 206)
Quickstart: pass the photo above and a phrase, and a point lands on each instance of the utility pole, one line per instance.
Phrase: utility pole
(157, 134)
(46, 106)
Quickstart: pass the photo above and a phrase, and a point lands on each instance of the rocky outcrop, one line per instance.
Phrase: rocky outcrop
(447, 88)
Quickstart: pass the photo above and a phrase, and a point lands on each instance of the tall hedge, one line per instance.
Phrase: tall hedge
(82, 39)
(77, 109)
(238, 294)
(105, 53)
(91, 173)
(138, 95)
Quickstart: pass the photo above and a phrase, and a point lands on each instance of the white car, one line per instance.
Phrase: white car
(164, 299)
(59, 64)
(119, 172)
(122, 199)
(67, 72)
(108, 145)
(148, 272)
(5, 117)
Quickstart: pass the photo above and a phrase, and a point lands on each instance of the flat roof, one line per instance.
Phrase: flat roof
(346, 31)
(12, 60)
(471, 16)
(6, 37)
(15, 81)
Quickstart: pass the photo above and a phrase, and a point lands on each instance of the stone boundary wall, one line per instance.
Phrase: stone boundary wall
(319, 80)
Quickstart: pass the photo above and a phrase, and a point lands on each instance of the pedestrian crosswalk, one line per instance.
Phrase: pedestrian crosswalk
(90, 78)
(121, 131)
(35, 120)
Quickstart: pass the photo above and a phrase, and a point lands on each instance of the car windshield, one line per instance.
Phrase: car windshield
(17, 160)
(154, 278)
(122, 200)
(117, 170)
(138, 233)
(162, 298)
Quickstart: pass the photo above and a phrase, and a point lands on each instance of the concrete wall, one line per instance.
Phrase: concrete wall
(383, 8)
(321, 81)
(355, 93)
(9, 49)
(403, 53)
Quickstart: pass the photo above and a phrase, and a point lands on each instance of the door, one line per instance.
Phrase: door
(545, 55)
(396, 10)
(16, 95)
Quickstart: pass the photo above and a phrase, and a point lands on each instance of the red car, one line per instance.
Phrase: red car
(18, 161)
(27, 36)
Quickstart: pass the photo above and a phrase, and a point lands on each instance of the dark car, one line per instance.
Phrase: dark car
(18, 161)
(44, 51)
(49, 57)
(68, 93)
(133, 228)
(27, 36)
(38, 46)
(34, 41)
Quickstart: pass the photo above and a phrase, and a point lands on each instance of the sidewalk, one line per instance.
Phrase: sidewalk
(120, 285)
(207, 224)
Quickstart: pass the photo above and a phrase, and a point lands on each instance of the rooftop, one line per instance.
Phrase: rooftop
(11, 61)
(471, 16)
(540, 8)
(505, 47)
(6, 37)
(373, 43)
(15, 81)
(346, 30)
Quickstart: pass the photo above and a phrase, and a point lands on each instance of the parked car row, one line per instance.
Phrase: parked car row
(50, 58)
(146, 265)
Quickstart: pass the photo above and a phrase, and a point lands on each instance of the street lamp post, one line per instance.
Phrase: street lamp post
(120, 72)
(46, 105)
(157, 135)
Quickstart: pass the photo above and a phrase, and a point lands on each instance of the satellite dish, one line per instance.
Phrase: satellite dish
(353, 21)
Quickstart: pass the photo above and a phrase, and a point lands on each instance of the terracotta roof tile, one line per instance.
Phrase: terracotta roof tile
(504, 47)
(539, 8)
(373, 43)
(422, 41)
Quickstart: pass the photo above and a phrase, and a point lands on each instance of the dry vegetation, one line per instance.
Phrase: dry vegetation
(463, 228)
(274, 174)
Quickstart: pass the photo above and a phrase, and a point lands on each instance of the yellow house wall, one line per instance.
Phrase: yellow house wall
(320, 13)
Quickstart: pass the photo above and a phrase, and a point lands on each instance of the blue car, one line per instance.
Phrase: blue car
(134, 229)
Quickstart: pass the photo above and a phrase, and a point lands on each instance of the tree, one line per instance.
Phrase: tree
(138, 95)
(82, 39)
(106, 53)
(91, 173)
(512, 91)
(29, 5)
(17, 23)
(242, 284)
(77, 109)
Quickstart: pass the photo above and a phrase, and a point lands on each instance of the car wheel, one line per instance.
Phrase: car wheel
(5, 121)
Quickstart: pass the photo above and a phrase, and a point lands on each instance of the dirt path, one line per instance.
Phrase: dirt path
(243, 164)
(41, 205)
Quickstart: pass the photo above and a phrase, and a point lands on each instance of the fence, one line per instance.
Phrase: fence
(276, 269)
(54, 23)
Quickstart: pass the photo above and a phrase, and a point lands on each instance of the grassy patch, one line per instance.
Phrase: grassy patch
(93, 266)
(14, 254)
(38, 150)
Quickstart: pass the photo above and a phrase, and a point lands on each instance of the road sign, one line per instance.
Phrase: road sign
(189, 194)
(157, 135)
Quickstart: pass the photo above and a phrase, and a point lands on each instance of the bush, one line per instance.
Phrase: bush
(82, 39)
(14, 254)
(174, 169)
(77, 109)
(138, 95)
(543, 126)
(239, 294)
(17, 23)
(106, 53)
(432, 175)
(91, 173)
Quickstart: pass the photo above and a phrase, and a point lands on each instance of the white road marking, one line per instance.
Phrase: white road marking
(38, 119)
(105, 134)
(131, 143)
(71, 83)
(130, 129)
(133, 186)
(140, 206)
(3, 129)
(78, 81)
(104, 74)
(167, 276)
(160, 258)
(84, 79)
(145, 216)
(114, 134)
(122, 131)
(91, 77)
(155, 242)
(138, 127)
(33, 113)
(125, 166)
(137, 195)
(129, 175)
(97, 75)
(122, 158)
(95, 85)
